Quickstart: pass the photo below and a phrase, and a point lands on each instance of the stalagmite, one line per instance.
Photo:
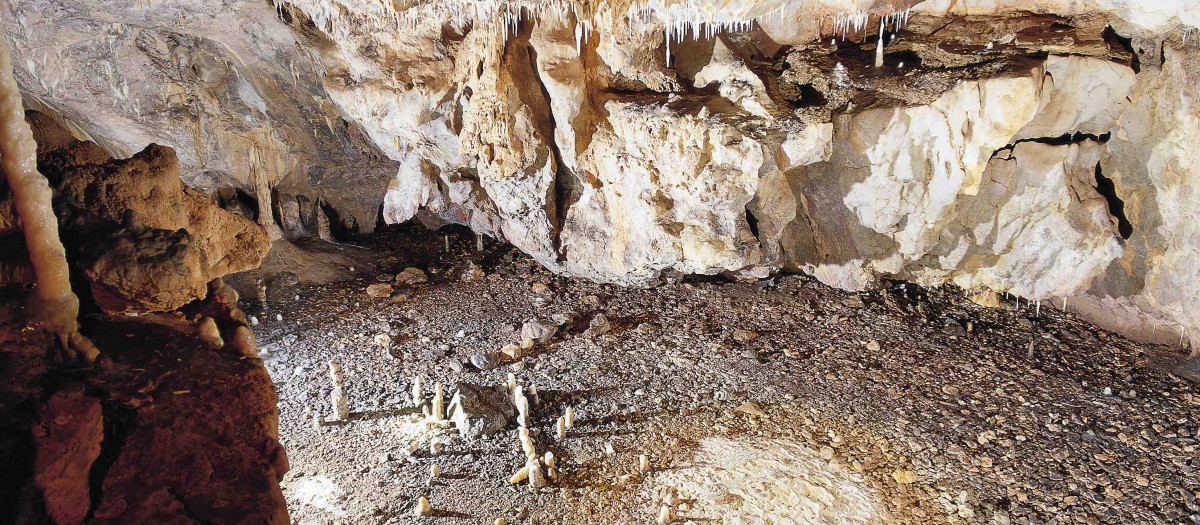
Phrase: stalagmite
(57, 307)
(879, 46)
(523, 411)
(664, 515)
(209, 333)
(520, 475)
(536, 479)
(526, 441)
(643, 464)
(561, 428)
(512, 383)
(418, 392)
(569, 418)
(439, 409)
(338, 399)
(423, 508)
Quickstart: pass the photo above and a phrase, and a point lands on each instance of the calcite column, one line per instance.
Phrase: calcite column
(57, 306)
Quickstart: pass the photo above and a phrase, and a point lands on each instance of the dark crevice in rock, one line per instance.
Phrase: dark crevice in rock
(1116, 206)
(1115, 40)
(1061, 140)
(117, 419)
(566, 187)
(752, 221)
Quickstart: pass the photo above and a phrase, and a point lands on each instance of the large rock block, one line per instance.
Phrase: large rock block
(147, 242)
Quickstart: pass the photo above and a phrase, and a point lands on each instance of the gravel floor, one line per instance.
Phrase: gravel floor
(922, 405)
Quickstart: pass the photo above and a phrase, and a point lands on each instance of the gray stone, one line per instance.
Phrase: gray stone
(479, 411)
(485, 360)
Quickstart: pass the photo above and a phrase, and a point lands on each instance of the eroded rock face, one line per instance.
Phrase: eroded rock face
(1001, 145)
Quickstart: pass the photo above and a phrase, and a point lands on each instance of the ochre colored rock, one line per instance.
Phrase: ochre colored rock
(148, 242)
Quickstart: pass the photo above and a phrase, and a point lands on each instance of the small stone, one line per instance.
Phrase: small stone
(485, 360)
(904, 477)
(538, 330)
(511, 352)
(472, 272)
(411, 276)
(383, 339)
(380, 291)
(539, 288)
(599, 325)
(873, 345)
(751, 408)
(950, 390)
(744, 336)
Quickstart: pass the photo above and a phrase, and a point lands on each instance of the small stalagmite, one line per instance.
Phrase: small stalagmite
(520, 475)
(569, 418)
(561, 428)
(439, 408)
(243, 341)
(209, 332)
(536, 479)
(523, 412)
(423, 508)
(643, 464)
(664, 515)
(337, 398)
(526, 441)
(418, 392)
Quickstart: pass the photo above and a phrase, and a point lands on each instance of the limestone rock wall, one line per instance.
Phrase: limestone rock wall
(1039, 148)
(222, 83)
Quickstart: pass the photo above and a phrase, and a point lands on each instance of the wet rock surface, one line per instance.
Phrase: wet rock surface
(1018, 416)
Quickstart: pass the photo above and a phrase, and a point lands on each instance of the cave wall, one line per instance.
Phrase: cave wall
(1040, 148)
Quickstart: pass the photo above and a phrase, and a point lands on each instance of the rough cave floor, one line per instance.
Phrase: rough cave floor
(777, 400)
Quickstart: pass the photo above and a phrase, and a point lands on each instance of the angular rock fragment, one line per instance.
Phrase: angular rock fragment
(478, 411)
(538, 330)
